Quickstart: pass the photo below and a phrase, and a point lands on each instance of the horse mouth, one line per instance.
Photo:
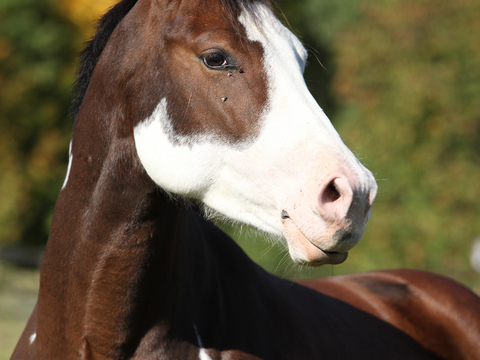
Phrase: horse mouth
(336, 257)
(305, 251)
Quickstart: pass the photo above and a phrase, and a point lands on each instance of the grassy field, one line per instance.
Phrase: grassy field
(18, 294)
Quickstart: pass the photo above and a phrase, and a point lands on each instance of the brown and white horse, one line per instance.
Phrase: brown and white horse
(205, 100)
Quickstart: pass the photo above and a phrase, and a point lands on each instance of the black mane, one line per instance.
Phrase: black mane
(106, 25)
(90, 55)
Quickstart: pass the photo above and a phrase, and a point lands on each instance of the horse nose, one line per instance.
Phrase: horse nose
(341, 197)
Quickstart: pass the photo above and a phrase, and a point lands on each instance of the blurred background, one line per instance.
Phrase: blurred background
(400, 80)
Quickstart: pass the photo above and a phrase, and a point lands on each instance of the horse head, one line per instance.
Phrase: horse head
(220, 112)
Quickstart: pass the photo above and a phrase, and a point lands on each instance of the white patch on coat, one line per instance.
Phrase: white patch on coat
(296, 151)
(69, 165)
(32, 338)
(179, 168)
(202, 354)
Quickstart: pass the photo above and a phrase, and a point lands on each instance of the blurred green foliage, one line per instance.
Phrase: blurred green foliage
(408, 84)
(37, 59)
(400, 81)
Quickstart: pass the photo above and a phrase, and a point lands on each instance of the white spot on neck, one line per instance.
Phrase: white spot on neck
(32, 338)
(69, 165)
(202, 355)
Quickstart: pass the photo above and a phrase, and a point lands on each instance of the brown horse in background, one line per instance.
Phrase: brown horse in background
(204, 101)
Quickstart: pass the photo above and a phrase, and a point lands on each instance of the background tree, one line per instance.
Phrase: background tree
(408, 92)
(37, 56)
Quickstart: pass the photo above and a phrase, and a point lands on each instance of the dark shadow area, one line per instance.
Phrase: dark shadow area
(324, 328)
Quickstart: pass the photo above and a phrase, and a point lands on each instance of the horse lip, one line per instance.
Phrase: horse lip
(334, 257)
(339, 235)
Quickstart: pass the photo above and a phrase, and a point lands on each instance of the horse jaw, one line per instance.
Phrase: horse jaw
(296, 154)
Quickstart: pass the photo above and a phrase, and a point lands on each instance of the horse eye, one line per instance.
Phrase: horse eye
(215, 60)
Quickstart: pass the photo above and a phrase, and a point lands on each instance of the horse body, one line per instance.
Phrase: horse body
(188, 100)
(233, 309)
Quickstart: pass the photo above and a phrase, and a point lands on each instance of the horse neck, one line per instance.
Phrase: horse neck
(117, 252)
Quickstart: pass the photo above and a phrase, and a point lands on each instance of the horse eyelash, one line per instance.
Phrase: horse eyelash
(231, 63)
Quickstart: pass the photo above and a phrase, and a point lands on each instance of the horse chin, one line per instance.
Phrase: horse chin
(305, 251)
(324, 258)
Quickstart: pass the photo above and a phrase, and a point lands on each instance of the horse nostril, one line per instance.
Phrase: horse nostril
(331, 193)
(335, 199)
(284, 215)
